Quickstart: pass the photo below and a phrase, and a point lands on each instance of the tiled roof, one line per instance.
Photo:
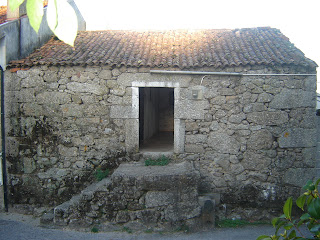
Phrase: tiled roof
(3, 14)
(181, 48)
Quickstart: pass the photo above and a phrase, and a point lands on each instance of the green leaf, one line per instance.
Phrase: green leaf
(292, 234)
(287, 208)
(62, 20)
(305, 216)
(309, 186)
(288, 226)
(304, 219)
(264, 237)
(314, 208)
(315, 228)
(309, 200)
(299, 224)
(317, 183)
(275, 221)
(301, 201)
(284, 234)
(35, 13)
(279, 226)
(13, 4)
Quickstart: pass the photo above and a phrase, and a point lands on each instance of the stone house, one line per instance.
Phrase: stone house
(239, 105)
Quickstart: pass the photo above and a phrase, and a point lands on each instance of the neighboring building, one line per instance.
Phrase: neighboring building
(17, 36)
(3, 14)
(18, 39)
(239, 104)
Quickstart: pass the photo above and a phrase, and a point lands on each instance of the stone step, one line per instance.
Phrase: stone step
(156, 155)
(85, 195)
(157, 196)
(142, 156)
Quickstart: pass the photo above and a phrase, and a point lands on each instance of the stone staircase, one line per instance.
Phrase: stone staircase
(78, 202)
(160, 197)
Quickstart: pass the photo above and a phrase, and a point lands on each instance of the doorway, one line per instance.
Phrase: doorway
(156, 119)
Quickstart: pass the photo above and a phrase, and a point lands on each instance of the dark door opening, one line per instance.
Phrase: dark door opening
(156, 124)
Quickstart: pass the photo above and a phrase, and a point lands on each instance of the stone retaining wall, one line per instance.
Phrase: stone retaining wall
(251, 137)
(157, 196)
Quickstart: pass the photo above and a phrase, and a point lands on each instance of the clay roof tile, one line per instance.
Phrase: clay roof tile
(181, 48)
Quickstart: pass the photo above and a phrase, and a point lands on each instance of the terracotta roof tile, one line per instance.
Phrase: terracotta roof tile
(180, 48)
(3, 14)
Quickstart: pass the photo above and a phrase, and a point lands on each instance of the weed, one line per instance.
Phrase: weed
(149, 230)
(94, 230)
(183, 228)
(126, 229)
(161, 161)
(234, 223)
(101, 174)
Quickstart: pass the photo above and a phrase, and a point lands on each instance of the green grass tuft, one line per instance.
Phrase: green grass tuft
(229, 223)
(94, 230)
(149, 230)
(126, 229)
(183, 228)
(101, 174)
(161, 161)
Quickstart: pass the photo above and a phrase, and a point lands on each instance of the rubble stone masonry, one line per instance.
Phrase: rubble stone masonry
(252, 138)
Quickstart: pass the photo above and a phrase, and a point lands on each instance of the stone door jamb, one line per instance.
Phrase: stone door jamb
(179, 124)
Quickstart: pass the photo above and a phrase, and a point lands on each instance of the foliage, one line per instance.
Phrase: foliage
(183, 228)
(101, 174)
(230, 223)
(149, 230)
(161, 161)
(309, 203)
(126, 229)
(94, 230)
(61, 17)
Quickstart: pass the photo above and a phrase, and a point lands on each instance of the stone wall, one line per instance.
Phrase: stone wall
(251, 137)
(59, 130)
(256, 142)
(157, 196)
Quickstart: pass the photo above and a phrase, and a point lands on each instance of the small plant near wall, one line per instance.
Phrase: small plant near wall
(101, 174)
(161, 161)
(94, 230)
(235, 223)
(126, 229)
(309, 203)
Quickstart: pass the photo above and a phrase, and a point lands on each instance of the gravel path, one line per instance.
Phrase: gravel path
(23, 227)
